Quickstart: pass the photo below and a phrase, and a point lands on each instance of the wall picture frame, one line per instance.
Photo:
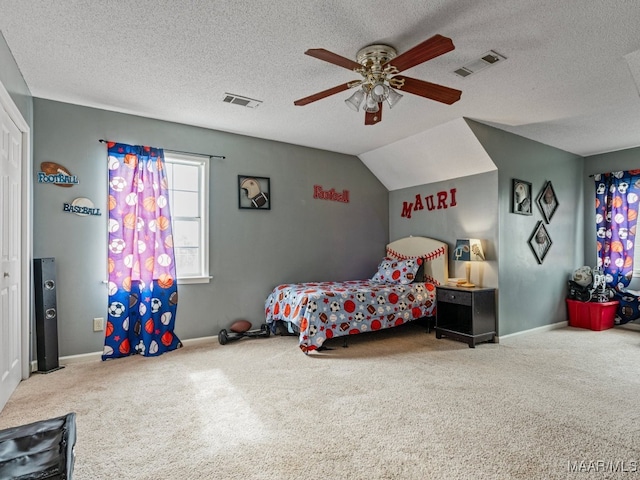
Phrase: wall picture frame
(521, 197)
(254, 193)
(540, 241)
(547, 202)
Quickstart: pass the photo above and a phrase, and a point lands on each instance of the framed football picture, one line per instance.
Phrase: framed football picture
(254, 192)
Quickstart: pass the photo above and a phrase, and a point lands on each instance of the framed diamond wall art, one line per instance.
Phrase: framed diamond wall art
(540, 242)
(547, 202)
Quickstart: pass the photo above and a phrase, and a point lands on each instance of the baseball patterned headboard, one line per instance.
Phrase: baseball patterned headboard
(434, 251)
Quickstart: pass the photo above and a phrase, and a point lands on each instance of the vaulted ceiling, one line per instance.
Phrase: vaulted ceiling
(570, 78)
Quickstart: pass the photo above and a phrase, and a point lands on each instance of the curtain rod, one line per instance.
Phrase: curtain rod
(606, 173)
(102, 140)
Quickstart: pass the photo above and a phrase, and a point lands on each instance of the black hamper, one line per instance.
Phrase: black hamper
(40, 450)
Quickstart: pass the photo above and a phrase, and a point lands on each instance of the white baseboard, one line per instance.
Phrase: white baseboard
(97, 356)
(199, 341)
(543, 328)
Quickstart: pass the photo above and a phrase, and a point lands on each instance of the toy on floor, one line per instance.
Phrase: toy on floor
(241, 329)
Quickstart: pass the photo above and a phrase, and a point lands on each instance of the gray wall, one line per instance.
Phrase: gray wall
(474, 216)
(12, 80)
(299, 239)
(606, 162)
(533, 295)
(529, 295)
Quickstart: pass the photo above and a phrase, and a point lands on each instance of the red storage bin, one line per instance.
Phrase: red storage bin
(592, 315)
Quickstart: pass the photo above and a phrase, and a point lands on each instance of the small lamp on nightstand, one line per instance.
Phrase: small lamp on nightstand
(468, 250)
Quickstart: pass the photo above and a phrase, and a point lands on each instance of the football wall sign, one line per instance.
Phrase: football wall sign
(322, 194)
(56, 174)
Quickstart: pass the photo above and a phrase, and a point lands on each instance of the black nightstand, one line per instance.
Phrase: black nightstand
(466, 314)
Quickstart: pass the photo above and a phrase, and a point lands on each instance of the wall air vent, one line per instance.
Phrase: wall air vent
(240, 100)
(486, 60)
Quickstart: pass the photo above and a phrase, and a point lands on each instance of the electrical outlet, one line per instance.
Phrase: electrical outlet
(98, 324)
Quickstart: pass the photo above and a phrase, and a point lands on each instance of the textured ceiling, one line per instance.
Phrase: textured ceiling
(568, 80)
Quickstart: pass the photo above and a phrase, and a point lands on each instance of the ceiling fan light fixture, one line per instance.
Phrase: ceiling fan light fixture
(393, 97)
(379, 92)
(355, 100)
(371, 106)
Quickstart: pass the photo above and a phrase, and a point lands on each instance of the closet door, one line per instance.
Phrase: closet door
(10, 261)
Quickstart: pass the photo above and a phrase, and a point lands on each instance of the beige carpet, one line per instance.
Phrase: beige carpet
(394, 405)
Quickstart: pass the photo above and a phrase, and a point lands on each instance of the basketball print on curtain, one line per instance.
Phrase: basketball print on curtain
(143, 293)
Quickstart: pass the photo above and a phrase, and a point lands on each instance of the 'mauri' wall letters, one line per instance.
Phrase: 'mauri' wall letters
(445, 198)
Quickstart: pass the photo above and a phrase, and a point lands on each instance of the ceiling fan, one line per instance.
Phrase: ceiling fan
(379, 65)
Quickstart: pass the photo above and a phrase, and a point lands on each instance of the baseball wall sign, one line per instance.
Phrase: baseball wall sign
(56, 174)
(82, 206)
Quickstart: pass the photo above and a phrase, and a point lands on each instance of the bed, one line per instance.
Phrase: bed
(401, 290)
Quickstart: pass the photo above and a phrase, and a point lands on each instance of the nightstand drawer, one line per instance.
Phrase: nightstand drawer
(454, 296)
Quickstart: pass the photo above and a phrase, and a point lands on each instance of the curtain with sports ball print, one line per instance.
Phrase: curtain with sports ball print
(617, 195)
(143, 293)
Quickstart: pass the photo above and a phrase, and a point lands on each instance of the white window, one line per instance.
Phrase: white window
(634, 284)
(188, 178)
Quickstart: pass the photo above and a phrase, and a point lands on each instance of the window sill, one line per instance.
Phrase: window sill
(194, 280)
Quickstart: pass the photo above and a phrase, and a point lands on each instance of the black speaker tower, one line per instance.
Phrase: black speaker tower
(44, 274)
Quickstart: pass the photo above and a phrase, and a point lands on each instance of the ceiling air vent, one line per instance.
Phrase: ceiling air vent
(242, 101)
(486, 60)
(463, 72)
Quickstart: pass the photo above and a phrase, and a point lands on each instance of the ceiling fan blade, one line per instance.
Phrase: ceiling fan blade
(327, 56)
(431, 48)
(323, 94)
(429, 90)
(373, 118)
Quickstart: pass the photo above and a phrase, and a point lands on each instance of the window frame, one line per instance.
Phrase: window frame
(202, 162)
(635, 273)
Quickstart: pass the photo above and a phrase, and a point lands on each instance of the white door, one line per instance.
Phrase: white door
(10, 264)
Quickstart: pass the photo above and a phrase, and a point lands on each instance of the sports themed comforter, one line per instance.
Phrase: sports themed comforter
(327, 310)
